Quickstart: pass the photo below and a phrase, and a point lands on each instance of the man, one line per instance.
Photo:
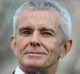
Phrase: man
(41, 36)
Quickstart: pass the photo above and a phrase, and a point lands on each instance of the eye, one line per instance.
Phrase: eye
(46, 34)
(26, 33)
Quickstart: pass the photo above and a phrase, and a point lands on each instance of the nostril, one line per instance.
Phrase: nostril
(34, 44)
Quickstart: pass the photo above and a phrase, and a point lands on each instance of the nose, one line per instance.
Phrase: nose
(35, 40)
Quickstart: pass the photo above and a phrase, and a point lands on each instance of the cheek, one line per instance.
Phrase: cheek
(22, 42)
(52, 45)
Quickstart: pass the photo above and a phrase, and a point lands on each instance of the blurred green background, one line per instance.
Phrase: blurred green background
(69, 65)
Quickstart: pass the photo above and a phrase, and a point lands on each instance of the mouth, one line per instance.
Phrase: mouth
(35, 53)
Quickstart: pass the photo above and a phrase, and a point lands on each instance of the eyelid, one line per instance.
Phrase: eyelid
(48, 32)
(25, 32)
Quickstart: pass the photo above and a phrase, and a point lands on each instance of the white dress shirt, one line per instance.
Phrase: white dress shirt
(18, 71)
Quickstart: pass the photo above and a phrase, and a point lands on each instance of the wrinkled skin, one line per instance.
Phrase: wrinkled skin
(37, 43)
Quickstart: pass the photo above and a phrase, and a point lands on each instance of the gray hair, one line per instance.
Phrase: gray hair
(65, 19)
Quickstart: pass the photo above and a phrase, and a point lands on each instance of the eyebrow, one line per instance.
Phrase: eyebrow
(25, 28)
(41, 29)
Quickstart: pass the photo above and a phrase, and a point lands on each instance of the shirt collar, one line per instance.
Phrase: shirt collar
(19, 71)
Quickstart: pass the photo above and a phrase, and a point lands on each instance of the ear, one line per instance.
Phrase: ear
(13, 44)
(66, 48)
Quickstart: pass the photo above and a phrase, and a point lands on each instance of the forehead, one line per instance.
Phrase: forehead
(37, 17)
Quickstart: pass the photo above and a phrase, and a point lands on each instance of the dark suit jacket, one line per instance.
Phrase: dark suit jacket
(13, 72)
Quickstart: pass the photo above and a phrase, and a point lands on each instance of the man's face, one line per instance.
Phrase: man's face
(37, 42)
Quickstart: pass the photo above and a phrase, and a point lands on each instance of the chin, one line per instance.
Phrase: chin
(34, 61)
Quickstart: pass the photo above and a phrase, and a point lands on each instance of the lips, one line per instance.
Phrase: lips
(31, 52)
